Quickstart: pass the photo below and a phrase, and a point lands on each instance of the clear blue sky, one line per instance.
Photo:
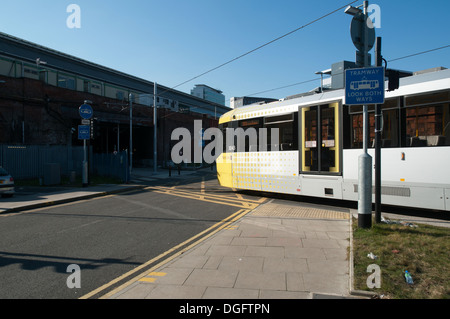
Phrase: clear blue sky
(171, 41)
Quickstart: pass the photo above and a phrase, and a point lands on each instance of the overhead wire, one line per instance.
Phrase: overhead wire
(261, 46)
(396, 59)
(266, 44)
(284, 87)
(419, 53)
(279, 38)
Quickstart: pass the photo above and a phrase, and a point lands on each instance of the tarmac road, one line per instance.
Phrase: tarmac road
(105, 236)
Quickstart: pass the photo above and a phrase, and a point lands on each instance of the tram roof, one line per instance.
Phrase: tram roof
(415, 84)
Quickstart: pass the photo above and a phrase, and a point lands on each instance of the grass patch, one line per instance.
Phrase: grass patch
(423, 251)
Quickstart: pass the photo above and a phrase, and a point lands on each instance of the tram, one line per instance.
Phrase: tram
(319, 140)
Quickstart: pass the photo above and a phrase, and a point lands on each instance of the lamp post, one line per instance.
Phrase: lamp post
(131, 132)
(321, 80)
(155, 130)
(322, 73)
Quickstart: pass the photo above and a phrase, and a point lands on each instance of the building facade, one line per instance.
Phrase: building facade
(41, 90)
(208, 93)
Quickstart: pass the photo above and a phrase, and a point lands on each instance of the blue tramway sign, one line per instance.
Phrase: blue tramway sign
(364, 86)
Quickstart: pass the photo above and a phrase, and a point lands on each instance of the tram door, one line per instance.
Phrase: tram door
(320, 138)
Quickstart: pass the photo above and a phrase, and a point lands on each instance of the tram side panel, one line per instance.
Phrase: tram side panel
(412, 177)
(225, 169)
(325, 186)
(266, 171)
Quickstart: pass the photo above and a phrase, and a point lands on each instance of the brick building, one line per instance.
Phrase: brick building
(41, 90)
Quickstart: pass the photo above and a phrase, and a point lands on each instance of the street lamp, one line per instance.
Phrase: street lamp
(321, 80)
(321, 73)
(353, 10)
(39, 62)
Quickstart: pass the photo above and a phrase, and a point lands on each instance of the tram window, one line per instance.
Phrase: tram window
(227, 147)
(427, 119)
(287, 126)
(390, 132)
(311, 128)
(320, 149)
(327, 129)
(390, 125)
(251, 134)
(244, 134)
(428, 125)
(223, 130)
(357, 132)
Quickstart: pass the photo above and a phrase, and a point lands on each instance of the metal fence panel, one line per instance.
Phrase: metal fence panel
(28, 162)
(111, 165)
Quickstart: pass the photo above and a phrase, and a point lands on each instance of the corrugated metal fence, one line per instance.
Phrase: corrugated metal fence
(112, 165)
(29, 162)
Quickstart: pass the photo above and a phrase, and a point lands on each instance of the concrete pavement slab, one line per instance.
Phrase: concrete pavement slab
(279, 250)
(212, 278)
(230, 293)
(269, 257)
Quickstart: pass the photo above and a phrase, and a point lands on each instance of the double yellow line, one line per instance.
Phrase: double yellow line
(237, 201)
(177, 250)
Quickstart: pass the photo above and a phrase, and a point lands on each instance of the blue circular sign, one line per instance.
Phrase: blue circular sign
(86, 111)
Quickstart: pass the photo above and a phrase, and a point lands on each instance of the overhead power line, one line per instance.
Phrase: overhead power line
(284, 87)
(419, 53)
(396, 59)
(283, 36)
(265, 44)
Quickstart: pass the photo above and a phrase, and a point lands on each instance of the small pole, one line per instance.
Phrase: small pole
(85, 166)
(378, 117)
(131, 134)
(155, 121)
(365, 160)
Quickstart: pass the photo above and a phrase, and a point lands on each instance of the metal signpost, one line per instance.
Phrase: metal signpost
(378, 129)
(84, 133)
(155, 130)
(364, 86)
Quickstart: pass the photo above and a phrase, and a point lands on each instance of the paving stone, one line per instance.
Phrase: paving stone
(261, 280)
(176, 292)
(212, 278)
(230, 293)
(242, 263)
(264, 251)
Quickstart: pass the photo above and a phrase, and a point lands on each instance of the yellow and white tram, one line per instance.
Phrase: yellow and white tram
(320, 139)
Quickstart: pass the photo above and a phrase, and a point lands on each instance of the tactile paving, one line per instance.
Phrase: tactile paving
(289, 211)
